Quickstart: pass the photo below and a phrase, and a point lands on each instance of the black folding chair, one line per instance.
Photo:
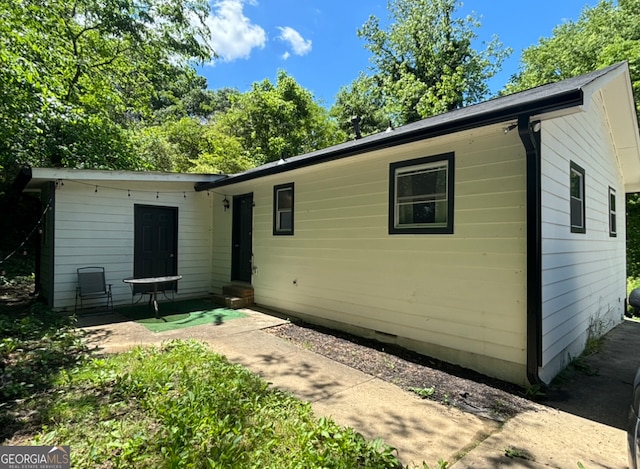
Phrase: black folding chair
(92, 285)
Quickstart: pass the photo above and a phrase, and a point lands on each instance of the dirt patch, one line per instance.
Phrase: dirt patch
(16, 295)
(449, 384)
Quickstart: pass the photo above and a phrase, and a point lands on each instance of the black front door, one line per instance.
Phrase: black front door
(155, 252)
(242, 247)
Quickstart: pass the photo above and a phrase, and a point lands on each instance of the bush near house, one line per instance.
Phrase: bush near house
(633, 235)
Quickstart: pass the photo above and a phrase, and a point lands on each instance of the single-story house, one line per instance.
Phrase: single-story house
(491, 236)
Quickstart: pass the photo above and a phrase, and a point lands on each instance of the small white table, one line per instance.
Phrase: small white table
(155, 281)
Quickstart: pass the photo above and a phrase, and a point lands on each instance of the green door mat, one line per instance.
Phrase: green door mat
(179, 314)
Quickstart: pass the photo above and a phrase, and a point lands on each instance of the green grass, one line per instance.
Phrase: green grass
(179, 314)
(181, 405)
(175, 406)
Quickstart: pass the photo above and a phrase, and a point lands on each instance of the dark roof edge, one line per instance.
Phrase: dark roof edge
(553, 103)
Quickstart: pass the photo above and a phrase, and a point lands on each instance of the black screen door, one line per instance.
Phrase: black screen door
(242, 247)
(155, 252)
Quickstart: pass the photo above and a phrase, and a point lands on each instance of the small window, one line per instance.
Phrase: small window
(577, 199)
(612, 212)
(283, 209)
(421, 195)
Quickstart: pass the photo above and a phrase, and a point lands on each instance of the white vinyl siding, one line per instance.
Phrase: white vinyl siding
(459, 297)
(583, 274)
(97, 229)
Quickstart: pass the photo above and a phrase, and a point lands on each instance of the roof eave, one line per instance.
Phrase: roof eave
(43, 175)
(553, 103)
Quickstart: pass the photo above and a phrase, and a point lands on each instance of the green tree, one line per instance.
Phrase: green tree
(223, 154)
(278, 121)
(189, 145)
(424, 63)
(188, 96)
(604, 34)
(75, 75)
(633, 235)
(364, 99)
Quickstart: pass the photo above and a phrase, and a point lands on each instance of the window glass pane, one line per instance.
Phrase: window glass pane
(283, 209)
(441, 181)
(576, 213)
(576, 184)
(612, 212)
(577, 198)
(285, 221)
(422, 182)
(441, 212)
(421, 195)
(284, 199)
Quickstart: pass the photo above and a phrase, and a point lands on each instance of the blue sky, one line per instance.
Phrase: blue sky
(315, 41)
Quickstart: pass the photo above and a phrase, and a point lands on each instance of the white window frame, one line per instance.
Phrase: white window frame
(278, 211)
(430, 196)
(579, 202)
(613, 219)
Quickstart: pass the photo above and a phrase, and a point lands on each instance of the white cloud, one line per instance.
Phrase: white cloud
(286, 55)
(233, 36)
(299, 45)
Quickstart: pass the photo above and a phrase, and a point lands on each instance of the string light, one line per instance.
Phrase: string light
(96, 187)
(59, 184)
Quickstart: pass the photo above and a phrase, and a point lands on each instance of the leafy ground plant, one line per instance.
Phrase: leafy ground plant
(423, 392)
(36, 345)
(181, 405)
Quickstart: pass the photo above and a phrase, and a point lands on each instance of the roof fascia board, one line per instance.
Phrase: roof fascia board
(554, 103)
(52, 174)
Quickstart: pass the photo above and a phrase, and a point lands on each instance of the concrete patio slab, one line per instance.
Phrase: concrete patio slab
(421, 430)
(550, 438)
(305, 374)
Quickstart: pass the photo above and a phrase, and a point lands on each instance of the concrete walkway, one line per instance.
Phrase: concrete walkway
(421, 430)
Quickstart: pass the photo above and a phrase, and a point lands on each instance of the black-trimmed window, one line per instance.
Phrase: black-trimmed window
(283, 209)
(421, 195)
(612, 212)
(577, 204)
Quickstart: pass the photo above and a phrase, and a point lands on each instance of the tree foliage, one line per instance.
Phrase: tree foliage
(604, 34)
(633, 235)
(424, 63)
(189, 145)
(281, 120)
(75, 75)
(364, 99)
